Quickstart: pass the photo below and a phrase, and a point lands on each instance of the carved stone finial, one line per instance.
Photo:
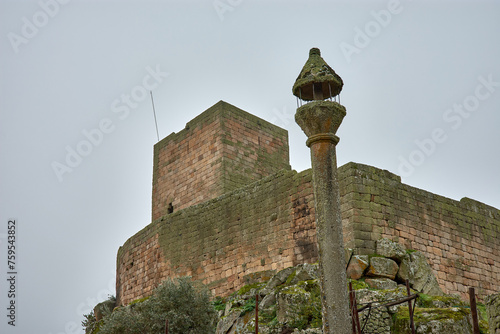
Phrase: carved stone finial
(317, 80)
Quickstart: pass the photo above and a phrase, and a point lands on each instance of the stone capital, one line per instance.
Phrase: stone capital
(320, 120)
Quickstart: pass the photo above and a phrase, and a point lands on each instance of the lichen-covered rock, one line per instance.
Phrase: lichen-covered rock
(244, 324)
(493, 309)
(267, 301)
(305, 272)
(377, 319)
(104, 308)
(434, 321)
(277, 279)
(291, 302)
(288, 301)
(357, 266)
(382, 267)
(308, 331)
(381, 283)
(427, 301)
(227, 322)
(417, 270)
(391, 250)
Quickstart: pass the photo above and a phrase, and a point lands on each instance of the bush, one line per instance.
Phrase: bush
(187, 308)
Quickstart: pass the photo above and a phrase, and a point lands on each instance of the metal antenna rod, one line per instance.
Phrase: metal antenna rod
(154, 113)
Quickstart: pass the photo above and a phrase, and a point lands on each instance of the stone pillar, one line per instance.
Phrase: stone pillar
(320, 121)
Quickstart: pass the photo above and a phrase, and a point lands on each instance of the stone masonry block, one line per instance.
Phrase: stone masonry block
(382, 267)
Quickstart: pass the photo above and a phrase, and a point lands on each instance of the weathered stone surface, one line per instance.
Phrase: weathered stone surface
(305, 272)
(440, 301)
(391, 250)
(257, 220)
(307, 331)
(435, 321)
(493, 309)
(277, 279)
(382, 267)
(288, 300)
(381, 283)
(267, 301)
(357, 266)
(227, 322)
(242, 324)
(104, 308)
(417, 270)
(296, 306)
(380, 319)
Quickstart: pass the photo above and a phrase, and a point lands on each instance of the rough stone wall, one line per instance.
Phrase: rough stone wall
(493, 309)
(252, 148)
(220, 150)
(140, 266)
(461, 239)
(239, 210)
(265, 226)
(269, 225)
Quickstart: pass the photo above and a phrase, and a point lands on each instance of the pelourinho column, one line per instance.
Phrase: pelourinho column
(320, 117)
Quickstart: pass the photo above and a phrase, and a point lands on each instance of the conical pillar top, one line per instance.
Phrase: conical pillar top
(317, 80)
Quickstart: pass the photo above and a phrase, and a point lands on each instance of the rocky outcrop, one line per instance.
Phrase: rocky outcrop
(436, 321)
(290, 301)
(357, 266)
(393, 262)
(493, 309)
(391, 250)
(417, 270)
(382, 267)
(104, 308)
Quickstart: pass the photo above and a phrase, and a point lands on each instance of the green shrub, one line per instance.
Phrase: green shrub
(90, 323)
(219, 304)
(188, 309)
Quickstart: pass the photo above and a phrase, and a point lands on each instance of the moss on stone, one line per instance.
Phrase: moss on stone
(359, 284)
(245, 289)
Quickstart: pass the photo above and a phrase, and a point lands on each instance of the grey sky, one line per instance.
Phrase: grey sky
(421, 84)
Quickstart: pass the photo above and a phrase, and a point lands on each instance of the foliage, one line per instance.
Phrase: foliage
(90, 323)
(187, 308)
(140, 300)
(308, 314)
(219, 304)
(248, 306)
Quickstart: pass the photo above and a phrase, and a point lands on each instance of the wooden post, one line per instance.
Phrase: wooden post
(351, 305)
(166, 326)
(257, 314)
(356, 315)
(473, 309)
(410, 308)
(356, 326)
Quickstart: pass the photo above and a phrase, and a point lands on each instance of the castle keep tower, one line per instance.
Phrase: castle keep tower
(222, 149)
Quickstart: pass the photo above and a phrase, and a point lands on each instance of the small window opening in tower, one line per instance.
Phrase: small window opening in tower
(170, 208)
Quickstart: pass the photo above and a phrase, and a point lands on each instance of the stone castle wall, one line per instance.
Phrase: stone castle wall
(240, 213)
(269, 225)
(461, 239)
(226, 241)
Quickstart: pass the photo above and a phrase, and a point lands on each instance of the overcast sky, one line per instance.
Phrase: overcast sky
(421, 88)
